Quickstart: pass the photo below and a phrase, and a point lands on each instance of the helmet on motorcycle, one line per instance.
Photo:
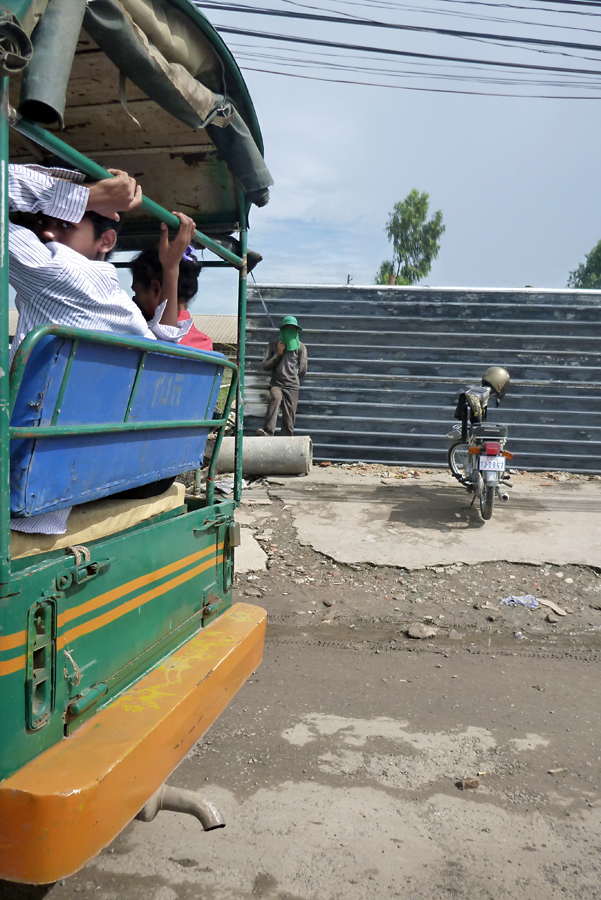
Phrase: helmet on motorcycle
(498, 379)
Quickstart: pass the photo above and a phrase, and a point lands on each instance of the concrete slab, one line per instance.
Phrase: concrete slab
(428, 521)
(255, 497)
(249, 557)
(250, 517)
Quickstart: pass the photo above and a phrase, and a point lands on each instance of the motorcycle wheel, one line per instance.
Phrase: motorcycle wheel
(487, 500)
(457, 457)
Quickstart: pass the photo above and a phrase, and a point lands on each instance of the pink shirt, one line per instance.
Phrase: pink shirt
(194, 338)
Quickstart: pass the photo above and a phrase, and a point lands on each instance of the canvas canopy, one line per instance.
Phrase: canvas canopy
(147, 86)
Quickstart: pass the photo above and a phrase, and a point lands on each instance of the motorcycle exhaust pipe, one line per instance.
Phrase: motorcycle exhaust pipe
(502, 495)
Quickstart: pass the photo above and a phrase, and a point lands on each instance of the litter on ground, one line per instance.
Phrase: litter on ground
(525, 600)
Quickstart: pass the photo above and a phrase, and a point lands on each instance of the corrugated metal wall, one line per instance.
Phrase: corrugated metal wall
(386, 364)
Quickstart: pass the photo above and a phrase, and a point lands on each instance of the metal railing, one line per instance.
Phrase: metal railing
(55, 145)
(146, 347)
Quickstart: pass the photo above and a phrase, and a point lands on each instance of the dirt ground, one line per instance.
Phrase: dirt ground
(340, 766)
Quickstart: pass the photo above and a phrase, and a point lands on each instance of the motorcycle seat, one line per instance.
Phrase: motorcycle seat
(489, 431)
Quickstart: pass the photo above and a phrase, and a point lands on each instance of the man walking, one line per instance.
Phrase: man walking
(286, 359)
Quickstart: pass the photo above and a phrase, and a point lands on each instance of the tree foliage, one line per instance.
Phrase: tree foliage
(588, 273)
(415, 241)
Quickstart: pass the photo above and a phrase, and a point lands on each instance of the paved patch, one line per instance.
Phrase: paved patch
(250, 556)
(413, 523)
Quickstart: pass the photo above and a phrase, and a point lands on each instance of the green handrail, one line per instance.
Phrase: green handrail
(241, 360)
(54, 144)
(103, 337)
(20, 432)
(5, 569)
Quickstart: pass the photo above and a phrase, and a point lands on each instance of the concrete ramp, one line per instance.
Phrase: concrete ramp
(428, 521)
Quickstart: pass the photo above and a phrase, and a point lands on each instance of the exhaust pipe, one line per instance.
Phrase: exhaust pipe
(502, 495)
(181, 800)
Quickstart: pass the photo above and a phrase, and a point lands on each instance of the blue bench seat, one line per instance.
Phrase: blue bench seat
(70, 379)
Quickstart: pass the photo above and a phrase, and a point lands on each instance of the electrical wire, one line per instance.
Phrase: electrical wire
(403, 7)
(577, 2)
(345, 59)
(422, 89)
(390, 6)
(373, 23)
(455, 13)
(244, 53)
(288, 38)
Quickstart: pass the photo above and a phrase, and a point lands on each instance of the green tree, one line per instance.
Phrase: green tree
(415, 241)
(588, 273)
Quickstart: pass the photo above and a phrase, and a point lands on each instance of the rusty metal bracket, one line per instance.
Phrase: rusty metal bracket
(78, 574)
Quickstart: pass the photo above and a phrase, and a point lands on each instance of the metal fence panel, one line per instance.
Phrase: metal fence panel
(386, 365)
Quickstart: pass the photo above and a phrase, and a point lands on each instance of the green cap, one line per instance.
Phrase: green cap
(290, 320)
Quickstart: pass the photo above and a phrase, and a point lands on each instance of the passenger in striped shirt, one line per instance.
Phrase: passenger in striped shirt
(58, 267)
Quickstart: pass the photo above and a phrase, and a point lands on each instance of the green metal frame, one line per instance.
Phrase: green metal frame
(54, 144)
(177, 567)
(5, 568)
(7, 394)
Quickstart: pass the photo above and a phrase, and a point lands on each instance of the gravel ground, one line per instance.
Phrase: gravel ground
(459, 601)
(359, 762)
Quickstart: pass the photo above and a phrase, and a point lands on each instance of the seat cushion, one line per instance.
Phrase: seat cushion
(492, 431)
(98, 519)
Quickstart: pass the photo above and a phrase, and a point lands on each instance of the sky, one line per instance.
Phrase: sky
(516, 178)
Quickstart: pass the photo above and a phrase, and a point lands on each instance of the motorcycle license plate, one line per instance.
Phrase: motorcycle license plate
(494, 463)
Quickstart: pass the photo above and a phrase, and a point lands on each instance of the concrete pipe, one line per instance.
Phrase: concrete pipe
(269, 455)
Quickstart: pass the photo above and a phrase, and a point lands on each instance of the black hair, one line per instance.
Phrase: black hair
(101, 224)
(147, 266)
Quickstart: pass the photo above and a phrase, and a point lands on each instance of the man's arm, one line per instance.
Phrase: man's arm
(34, 190)
(172, 333)
(272, 356)
(170, 256)
(110, 196)
(303, 361)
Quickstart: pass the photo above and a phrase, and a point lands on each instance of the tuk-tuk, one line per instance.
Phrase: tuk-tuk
(119, 643)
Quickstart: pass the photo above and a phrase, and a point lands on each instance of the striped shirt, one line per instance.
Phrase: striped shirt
(55, 284)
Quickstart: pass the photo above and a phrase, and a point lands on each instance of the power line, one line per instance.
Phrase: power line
(461, 14)
(347, 64)
(514, 6)
(525, 8)
(577, 2)
(404, 87)
(287, 38)
(373, 23)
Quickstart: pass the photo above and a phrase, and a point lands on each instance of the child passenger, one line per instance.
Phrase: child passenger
(58, 268)
(147, 284)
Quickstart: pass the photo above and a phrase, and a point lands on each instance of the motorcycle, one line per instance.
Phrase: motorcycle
(477, 455)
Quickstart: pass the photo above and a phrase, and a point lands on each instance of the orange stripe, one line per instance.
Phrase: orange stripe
(130, 586)
(13, 640)
(101, 621)
(12, 665)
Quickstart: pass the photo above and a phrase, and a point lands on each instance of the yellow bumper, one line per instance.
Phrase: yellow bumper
(61, 809)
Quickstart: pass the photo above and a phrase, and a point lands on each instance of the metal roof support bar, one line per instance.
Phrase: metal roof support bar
(242, 285)
(5, 568)
(54, 144)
